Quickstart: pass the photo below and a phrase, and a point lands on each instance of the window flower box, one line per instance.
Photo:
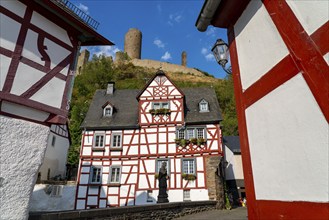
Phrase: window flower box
(186, 176)
(160, 111)
(182, 142)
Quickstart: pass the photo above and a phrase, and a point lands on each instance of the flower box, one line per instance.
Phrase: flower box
(186, 176)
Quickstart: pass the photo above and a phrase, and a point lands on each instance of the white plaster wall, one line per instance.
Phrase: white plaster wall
(258, 41)
(326, 58)
(14, 6)
(288, 140)
(233, 170)
(8, 38)
(41, 201)
(23, 146)
(4, 66)
(50, 27)
(311, 14)
(55, 157)
(199, 194)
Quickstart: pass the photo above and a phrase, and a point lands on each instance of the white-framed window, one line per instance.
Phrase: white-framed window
(200, 133)
(158, 164)
(191, 132)
(149, 196)
(115, 174)
(186, 195)
(158, 105)
(95, 175)
(116, 142)
(181, 134)
(188, 166)
(99, 141)
(203, 106)
(108, 111)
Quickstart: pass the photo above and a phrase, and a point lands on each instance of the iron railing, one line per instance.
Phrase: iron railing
(77, 12)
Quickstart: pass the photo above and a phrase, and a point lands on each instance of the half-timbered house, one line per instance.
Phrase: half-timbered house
(129, 133)
(39, 45)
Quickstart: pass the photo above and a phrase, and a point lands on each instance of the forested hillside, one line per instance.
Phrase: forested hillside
(100, 70)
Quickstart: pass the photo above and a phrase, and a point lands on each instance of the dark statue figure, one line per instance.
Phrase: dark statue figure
(163, 196)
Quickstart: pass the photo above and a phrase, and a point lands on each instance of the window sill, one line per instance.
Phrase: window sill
(95, 184)
(114, 184)
(116, 149)
(99, 149)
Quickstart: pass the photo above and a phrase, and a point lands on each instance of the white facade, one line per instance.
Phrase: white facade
(55, 160)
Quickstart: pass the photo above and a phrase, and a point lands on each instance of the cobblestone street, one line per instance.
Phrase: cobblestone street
(234, 214)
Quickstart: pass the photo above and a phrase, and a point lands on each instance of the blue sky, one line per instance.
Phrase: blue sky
(168, 29)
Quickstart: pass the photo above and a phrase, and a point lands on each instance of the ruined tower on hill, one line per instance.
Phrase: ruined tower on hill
(133, 43)
(184, 58)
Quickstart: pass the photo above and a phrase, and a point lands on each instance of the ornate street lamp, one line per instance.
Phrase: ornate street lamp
(221, 54)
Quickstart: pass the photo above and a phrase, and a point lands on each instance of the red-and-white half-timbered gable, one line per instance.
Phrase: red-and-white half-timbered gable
(40, 42)
(128, 134)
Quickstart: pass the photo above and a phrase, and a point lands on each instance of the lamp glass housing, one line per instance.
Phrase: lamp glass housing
(221, 52)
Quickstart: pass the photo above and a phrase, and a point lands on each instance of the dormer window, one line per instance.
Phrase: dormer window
(203, 106)
(107, 109)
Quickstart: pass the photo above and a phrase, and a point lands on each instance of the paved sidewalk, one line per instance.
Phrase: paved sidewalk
(239, 213)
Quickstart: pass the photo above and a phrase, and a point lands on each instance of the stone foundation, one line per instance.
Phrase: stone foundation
(148, 212)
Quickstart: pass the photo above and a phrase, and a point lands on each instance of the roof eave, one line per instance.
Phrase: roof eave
(110, 127)
(220, 13)
(88, 37)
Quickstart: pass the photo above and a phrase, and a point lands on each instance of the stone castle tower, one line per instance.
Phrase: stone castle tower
(133, 43)
(184, 58)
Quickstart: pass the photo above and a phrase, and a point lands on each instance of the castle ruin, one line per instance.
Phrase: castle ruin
(132, 54)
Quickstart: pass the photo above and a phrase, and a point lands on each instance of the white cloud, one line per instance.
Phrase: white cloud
(211, 32)
(210, 57)
(204, 51)
(159, 43)
(166, 56)
(104, 50)
(207, 54)
(83, 8)
(175, 18)
(159, 8)
(178, 18)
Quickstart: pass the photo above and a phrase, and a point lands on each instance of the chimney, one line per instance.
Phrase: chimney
(110, 88)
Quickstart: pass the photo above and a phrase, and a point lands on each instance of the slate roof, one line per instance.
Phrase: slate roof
(125, 114)
(233, 143)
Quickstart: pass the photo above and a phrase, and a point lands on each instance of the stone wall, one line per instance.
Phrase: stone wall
(214, 181)
(166, 67)
(149, 212)
(23, 145)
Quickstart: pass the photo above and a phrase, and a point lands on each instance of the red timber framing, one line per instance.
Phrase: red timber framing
(139, 154)
(59, 114)
(306, 56)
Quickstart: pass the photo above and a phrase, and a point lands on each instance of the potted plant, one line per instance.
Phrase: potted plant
(184, 142)
(194, 140)
(201, 141)
(177, 141)
(186, 176)
(152, 111)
